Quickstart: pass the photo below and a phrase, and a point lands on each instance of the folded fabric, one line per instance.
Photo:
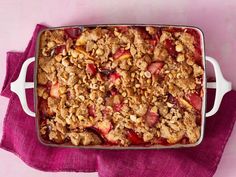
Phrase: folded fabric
(19, 137)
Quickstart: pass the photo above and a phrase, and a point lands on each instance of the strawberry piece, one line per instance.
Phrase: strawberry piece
(48, 86)
(198, 50)
(43, 122)
(134, 138)
(122, 29)
(170, 46)
(54, 91)
(44, 109)
(198, 56)
(155, 68)
(143, 32)
(73, 33)
(121, 53)
(159, 33)
(105, 112)
(195, 100)
(198, 120)
(174, 30)
(184, 140)
(118, 53)
(161, 141)
(114, 76)
(110, 141)
(117, 107)
(151, 118)
(91, 111)
(59, 49)
(104, 127)
(153, 42)
(91, 69)
(126, 54)
(114, 91)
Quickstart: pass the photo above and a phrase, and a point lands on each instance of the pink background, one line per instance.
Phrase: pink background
(216, 18)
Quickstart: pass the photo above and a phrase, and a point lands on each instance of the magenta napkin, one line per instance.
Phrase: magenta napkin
(19, 137)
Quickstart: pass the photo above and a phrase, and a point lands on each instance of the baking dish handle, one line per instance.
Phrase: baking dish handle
(19, 86)
(221, 85)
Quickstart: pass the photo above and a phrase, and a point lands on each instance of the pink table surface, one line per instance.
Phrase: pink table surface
(216, 18)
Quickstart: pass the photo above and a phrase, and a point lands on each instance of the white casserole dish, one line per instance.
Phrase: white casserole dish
(221, 85)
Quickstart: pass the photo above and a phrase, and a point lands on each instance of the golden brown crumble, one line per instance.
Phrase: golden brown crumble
(120, 85)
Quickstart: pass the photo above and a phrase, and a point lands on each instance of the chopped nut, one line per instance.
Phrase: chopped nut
(45, 95)
(154, 109)
(151, 30)
(81, 97)
(41, 90)
(147, 136)
(81, 56)
(62, 90)
(141, 110)
(141, 64)
(133, 117)
(73, 79)
(169, 105)
(92, 95)
(74, 53)
(180, 58)
(116, 99)
(197, 70)
(51, 44)
(179, 47)
(137, 85)
(147, 74)
(102, 88)
(64, 112)
(190, 62)
(124, 94)
(42, 79)
(65, 62)
(132, 50)
(58, 58)
(93, 86)
(99, 52)
(100, 100)
(80, 117)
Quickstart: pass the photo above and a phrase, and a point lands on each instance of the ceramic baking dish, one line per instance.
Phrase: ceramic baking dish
(221, 85)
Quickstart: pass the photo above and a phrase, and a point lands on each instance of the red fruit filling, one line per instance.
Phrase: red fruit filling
(195, 100)
(151, 118)
(121, 53)
(134, 138)
(91, 69)
(73, 33)
(155, 68)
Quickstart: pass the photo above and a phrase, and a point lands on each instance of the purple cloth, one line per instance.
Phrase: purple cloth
(19, 137)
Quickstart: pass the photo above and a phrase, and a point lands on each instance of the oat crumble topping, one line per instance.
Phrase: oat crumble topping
(120, 85)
